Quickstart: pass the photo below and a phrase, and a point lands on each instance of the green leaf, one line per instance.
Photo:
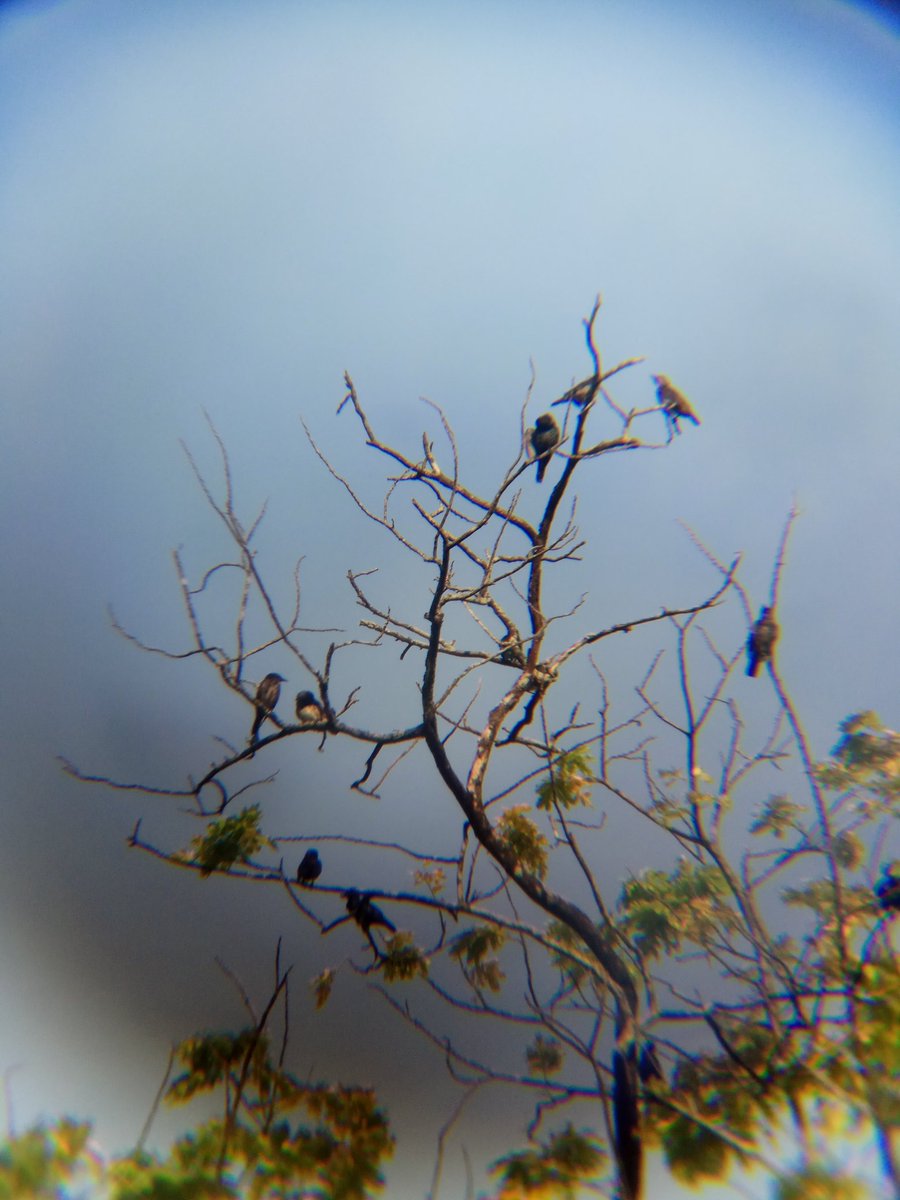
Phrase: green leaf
(403, 959)
(471, 948)
(39, 1163)
(523, 839)
(228, 841)
(552, 1169)
(820, 1183)
(848, 850)
(208, 1059)
(544, 1056)
(570, 781)
(432, 878)
(322, 985)
(663, 911)
(474, 944)
(866, 757)
(780, 815)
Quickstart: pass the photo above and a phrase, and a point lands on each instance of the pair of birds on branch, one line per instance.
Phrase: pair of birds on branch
(309, 711)
(546, 435)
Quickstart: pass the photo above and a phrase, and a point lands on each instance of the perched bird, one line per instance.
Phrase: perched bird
(888, 890)
(761, 641)
(545, 437)
(266, 698)
(364, 912)
(674, 403)
(309, 710)
(511, 652)
(310, 868)
(648, 1064)
(581, 394)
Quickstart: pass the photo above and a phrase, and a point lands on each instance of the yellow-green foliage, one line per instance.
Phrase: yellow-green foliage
(403, 959)
(820, 1183)
(569, 783)
(552, 1170)
(474, 950)
(228, 841)
(322, 985)
(523, 839)
(286, 1138)
(664, 911)
(867, 756)
(432, 878)
(544, 1056)
(40, 1163)
(780, 816)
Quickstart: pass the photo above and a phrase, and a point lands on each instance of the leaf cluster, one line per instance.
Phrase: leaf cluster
(569, 782)
(552, 1170)
(663, 912)
(475, 950)
(46, 1159)
(229, 840)
(525, 842)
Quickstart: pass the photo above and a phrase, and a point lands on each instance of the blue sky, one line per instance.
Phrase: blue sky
(224, 206)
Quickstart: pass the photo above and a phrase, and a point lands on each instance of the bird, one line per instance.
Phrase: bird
(365, 913)
(310, 868)
(266, 698)
(887, 890)
(648, 1063)
(309, 711)
(581, 394)
(674, 403)
(545, 437)
(761, 641)
(511, 652)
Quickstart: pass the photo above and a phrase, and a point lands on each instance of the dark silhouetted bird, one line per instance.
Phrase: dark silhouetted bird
(310, 868)
(266, 698)
(888, 890)
(364, 912)
(511, 652)
(581, 394)
(309, 710)
(648, 1064)
(675, 404)
(761, 641)
(545, 438)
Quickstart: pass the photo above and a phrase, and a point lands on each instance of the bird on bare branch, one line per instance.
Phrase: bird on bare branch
(266, 698)
(581, 394)
(545, 437)
(511, 652)
(673, 402)
(761, 641)
(365, 913)
(309, 711)
(649, 1067)
(310, 868)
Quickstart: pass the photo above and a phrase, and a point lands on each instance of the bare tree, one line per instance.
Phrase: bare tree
(677, 1010)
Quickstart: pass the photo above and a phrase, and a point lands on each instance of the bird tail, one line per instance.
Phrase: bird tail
(753, 666)
(257, 725)
(541, 468)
